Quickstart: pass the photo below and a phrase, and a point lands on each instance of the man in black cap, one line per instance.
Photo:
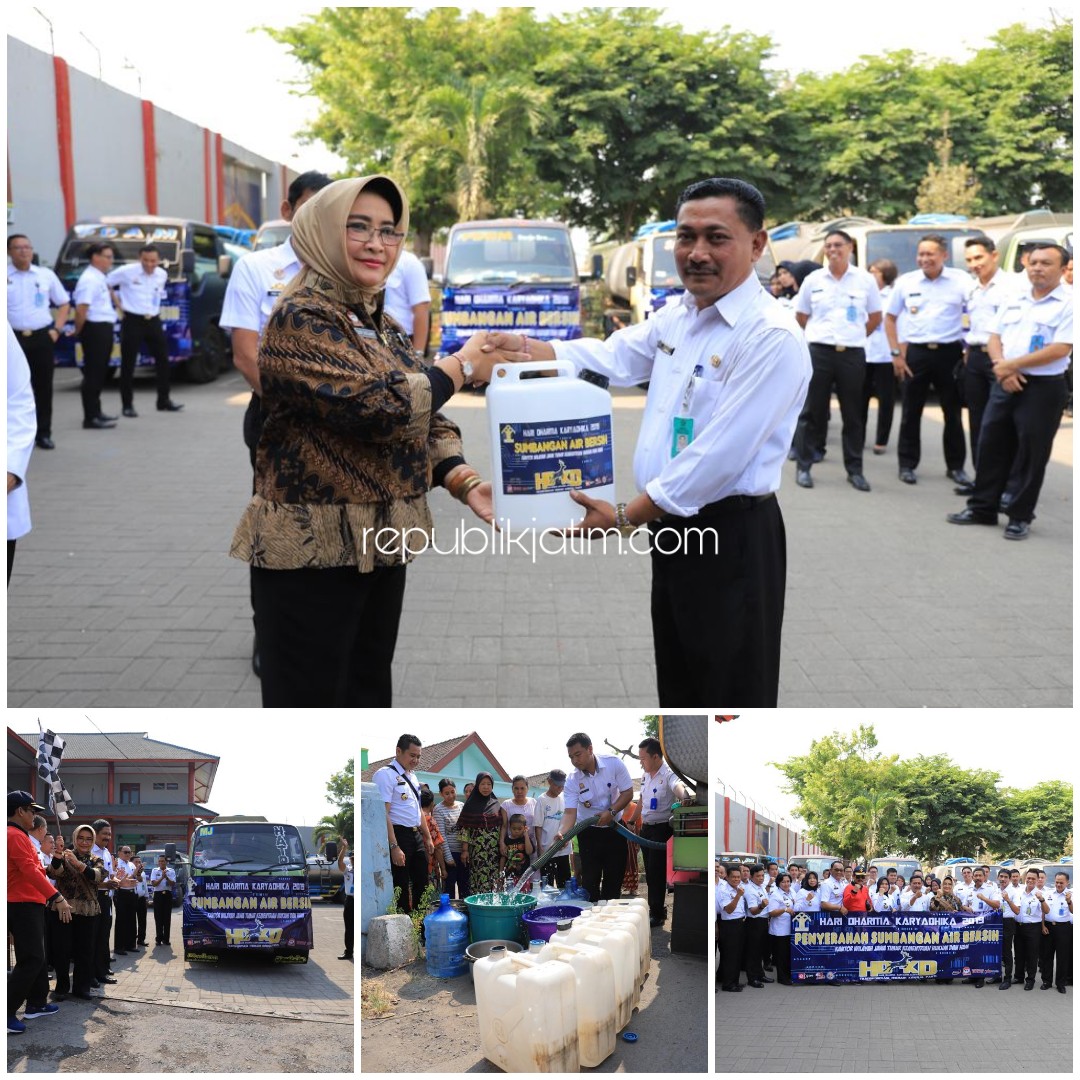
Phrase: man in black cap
(546, 818)
(29, 892)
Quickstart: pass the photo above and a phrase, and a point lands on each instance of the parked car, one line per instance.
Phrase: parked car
(181, 864)
(272, 233)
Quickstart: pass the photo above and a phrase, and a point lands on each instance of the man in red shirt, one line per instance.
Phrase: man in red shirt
(29, 891)
(856, 898)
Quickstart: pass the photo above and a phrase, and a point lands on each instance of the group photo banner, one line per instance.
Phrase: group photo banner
(877, 948)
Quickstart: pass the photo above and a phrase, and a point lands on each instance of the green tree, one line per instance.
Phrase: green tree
(869, 821)
(341, 791)
(947, 187)
(652, 727)
(1041, 819)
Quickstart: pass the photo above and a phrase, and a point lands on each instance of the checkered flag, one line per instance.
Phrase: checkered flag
(50, 751)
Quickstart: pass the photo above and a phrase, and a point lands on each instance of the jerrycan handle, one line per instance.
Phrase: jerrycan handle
(502, 374)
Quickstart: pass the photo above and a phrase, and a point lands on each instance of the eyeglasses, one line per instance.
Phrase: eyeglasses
(359, 231)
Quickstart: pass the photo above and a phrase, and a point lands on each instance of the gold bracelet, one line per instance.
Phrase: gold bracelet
(454, 486)
(473, 481)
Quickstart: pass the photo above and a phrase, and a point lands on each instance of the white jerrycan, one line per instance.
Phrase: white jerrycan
(620, 943)
(595, 974)
(527, 1011)
(637, 910)
(549, 437)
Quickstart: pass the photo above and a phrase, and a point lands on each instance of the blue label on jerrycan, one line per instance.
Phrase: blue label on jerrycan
(566, 455)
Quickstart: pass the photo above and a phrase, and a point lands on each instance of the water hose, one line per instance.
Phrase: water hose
(658, 845)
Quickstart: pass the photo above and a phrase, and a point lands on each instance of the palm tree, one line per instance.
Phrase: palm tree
(331, 826)
(473, 126)
(866, 817)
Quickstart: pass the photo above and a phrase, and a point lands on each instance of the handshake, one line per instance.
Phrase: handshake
(489, 347)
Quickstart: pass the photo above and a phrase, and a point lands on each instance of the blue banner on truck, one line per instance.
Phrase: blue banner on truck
(247, 912)
(564, 455)
(542, 313)
(912, 945)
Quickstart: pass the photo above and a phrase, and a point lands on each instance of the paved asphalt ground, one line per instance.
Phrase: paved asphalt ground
(894, 1027)
(124, 594)
(243, 1015)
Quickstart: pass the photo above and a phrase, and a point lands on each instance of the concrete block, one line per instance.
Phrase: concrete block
(390, 942)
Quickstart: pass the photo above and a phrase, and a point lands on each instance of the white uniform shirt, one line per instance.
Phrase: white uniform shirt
(804, 902)
(990, 891)
(255, 284)
(160, 882)
(725, 893)
(1009, 892)
(529, 810)
(104, 854)
(350, 877)
(781, 901)
(882, 903)
(92, 289)
(964, 893)
(983, 304)
(838, 308)
(908, 901)
(1030, 906)
(21, 430)
(754, 373)
(1059, 907)
(657, 794)
(141, 888)
(125, 869)
(877, 344)
(832, 891)
(391, 782)
(548, 814)
(30, 293)
(591, 795)
(1024, 318)
(930, 309)
(140, 293)
(406, 287)
(753, 896)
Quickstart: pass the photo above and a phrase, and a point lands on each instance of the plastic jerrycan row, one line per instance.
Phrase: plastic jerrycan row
(594, 975)
(619, 943)
(527, 1009)
(634, 912)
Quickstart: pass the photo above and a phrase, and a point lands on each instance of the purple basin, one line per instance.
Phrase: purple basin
(544, 921)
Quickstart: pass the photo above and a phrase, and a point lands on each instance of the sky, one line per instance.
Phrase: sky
(525, 741)
(247, 95)
(989, 739)
(267, 767)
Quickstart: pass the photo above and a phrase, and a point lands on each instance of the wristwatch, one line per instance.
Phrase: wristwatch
(466, 367)
(894, 352)
(625, 526)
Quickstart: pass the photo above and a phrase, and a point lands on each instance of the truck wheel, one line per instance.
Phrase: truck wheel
(205, 365)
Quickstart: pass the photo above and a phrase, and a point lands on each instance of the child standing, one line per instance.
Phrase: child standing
(519, 849)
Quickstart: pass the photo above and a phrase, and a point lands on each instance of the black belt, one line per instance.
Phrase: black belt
(410, 828)
(835, 348)
(737, 502)
(933, 344)
(39, 330)
(976, 348)
(137, 315)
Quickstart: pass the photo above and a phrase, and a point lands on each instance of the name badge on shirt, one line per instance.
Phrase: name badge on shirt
(1037, 342)
(666, 349)
(682, 434)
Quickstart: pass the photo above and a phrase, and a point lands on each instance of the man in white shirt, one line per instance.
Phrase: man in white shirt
(660, 787)
(37, 308)
(103, 843)
(984, 897)
(95, 317)
(1030, 349)
(1010, 905)
(21, 425)
(757, 927)
(915, 897)
(1033, 905)
(345, 865)
(727, 370)
(140, 288)
(548, 815)
(599, 785)
(839, 307)
(731, 930)
(924, 325)
(142, 901)
(1057, 942)
(162, 880)
(965, 890)
(126, 929)
(407, 299)
(832, 890)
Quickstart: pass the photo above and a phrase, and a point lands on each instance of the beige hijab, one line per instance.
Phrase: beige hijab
(318, 238)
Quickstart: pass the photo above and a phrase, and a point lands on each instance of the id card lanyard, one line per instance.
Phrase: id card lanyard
(682, 426)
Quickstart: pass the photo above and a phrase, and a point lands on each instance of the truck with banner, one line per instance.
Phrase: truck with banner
(509, 274)
(248, 892)
(888, 947)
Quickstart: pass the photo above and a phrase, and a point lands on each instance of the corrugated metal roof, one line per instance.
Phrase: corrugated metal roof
(430, 756)
(115, 746)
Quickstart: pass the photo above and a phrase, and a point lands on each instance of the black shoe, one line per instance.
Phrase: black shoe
(59, 995)
(107, 979)
(803, 479)
(766, 978)
(84, 995)
(43, 442)
(345, 956)
(816, 456)
(107, 419)
(1030, 984)
(970, 517)
(757, 985)
(98, 423)
(129, 412)
(1047, 986)
(120, 952)
(960, 479)
(1005, 984)
(731, 989)
(908, 476)
(1017, 530)
(858, 481)
(979, 983)
(879, 450)
(1061, 989)
(168, 406)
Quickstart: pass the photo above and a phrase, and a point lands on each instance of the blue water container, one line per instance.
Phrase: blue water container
(446, 935)
(573, 891)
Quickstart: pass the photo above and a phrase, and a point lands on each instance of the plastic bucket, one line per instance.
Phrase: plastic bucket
(543, 921)
(498, 915)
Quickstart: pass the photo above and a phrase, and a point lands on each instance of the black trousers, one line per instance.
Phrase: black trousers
(28, 980)
(97, 343)
(880, 383)
(126, 925)
(977, 382)
(40, 355)
(162, 915)
(656, 866)
(74, 941)
(1056, 949)
(10, 558)
(141, 904)
(1028, 944)
(137, 332)
(718, 603)
(847, 371)
(102, 944)
(757, 931)
(1008, 938)
(603, 861)
(327, 637)
(732, 937)
(781, 954)
(347, 915)
(937, 368)
(414, 874)
(1016, 440)
(558, 870)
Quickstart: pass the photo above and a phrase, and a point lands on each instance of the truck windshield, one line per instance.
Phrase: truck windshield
(901, 246)
(248, 848)
(508, 256)
(664, 274)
